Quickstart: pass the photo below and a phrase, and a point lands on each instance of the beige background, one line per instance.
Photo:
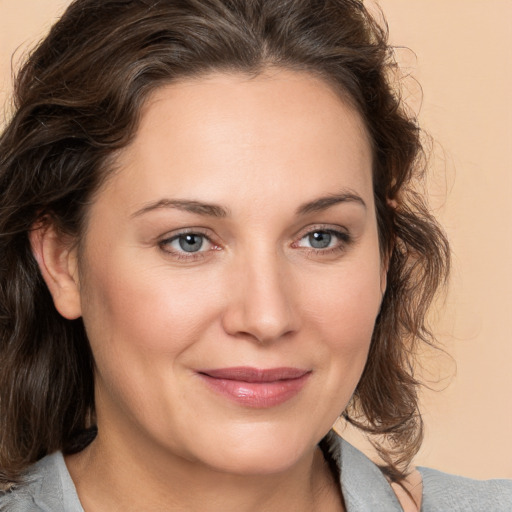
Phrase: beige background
(463, 60)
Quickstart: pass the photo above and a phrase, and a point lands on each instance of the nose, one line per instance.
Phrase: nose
(261, 304)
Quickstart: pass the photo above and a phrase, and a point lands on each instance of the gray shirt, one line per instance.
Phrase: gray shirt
(49, 487)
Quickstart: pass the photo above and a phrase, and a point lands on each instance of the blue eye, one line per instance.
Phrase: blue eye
(320, 239)
(191, 242)
(186, 243)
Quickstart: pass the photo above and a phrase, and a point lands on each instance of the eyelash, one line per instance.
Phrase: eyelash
(183, 255)
(344, 239)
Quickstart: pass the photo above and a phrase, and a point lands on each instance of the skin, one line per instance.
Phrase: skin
(256, 294)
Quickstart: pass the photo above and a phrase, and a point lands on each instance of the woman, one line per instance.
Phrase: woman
(210, 251)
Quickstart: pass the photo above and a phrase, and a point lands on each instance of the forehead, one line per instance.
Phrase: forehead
(228, 132)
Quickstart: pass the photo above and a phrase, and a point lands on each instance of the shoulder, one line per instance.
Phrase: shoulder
(363, 484)
(365, 488)
(42, 488)
(442, 491)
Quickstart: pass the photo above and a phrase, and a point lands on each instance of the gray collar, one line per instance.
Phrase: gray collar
(364, 487)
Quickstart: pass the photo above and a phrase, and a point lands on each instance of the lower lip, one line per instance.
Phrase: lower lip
(258, 395)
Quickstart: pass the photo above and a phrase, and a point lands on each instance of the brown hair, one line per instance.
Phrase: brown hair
(77, 101)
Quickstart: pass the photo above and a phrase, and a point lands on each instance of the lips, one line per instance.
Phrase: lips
(254, 387)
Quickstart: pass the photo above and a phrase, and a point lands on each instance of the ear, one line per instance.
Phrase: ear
(384, 276)
(386, 258)
(58, 263)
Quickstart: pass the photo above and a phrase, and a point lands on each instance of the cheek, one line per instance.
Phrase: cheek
(343, 309)
(346, 303)
(138, 308)
(142, 325)
(338, 317)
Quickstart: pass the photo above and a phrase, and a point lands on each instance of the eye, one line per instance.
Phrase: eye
(184, 244)
(319, 239)
(191, 242)
(324, 240)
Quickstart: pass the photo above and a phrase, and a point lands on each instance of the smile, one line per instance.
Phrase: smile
(256, 388)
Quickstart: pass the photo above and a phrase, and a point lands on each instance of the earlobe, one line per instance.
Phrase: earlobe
(58, 264)
(384, 270)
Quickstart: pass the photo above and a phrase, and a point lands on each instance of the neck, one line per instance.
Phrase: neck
(109, 476)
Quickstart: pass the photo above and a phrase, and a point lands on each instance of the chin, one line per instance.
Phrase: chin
(265, 462)
(262, 450)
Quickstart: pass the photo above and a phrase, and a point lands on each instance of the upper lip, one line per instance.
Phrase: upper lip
(248, 374)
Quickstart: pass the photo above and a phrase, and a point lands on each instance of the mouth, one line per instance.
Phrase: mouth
(255, 387)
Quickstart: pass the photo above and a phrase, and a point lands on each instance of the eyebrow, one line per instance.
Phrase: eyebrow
(323, 203)
(198, 207)
(215, 210)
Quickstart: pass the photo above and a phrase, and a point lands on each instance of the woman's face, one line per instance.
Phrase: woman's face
(230, 276)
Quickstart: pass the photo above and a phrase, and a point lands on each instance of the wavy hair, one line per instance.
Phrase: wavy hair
(78, 98)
